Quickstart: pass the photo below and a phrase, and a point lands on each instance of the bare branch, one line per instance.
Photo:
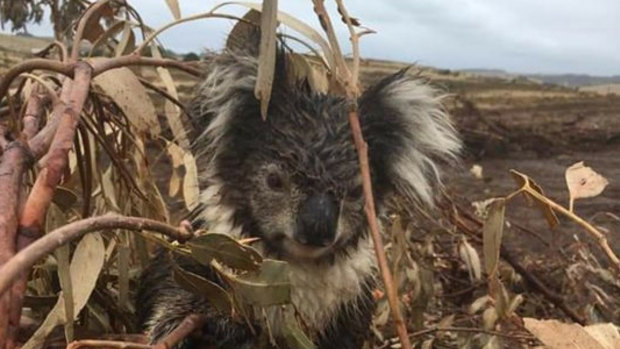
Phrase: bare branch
(15, 161)
(30, 65)
(27, 257)
(39, 144)
(93, 343)
(34, 211)
(354, 37)
(79, 34)
(350, 84)
(101, 66)
(34, 112)
(209, 14)
(186, 327)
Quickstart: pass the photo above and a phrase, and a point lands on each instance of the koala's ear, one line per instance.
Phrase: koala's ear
(407, 131)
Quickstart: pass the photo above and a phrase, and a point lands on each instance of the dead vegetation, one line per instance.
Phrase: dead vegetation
(85, 136)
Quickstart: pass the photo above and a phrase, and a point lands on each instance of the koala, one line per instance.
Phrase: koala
(293, 181)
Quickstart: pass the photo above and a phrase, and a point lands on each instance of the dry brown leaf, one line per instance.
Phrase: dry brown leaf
(470, 257)
(173, 112)
(175, 153)
(127, 42)
(191, 191)
(239, 35)
(174, 8)
(93, 29)
(606, 334)
(127, 92)
(85, 267)
(583, 182)
(476, 171)
(111, 32)
(492, 232)
(558, 335)
(525, 181)
(294, 24)
(300, 69)
(266, 55)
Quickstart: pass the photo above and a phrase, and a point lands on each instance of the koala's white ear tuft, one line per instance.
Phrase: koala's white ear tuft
(408, 132)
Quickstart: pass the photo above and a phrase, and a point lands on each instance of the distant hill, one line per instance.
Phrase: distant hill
(572, 80)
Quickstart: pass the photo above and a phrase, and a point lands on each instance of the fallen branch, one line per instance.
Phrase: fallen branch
(27, 257)
(464, 221)
(472, 330)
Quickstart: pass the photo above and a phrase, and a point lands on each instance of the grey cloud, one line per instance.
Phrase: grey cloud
(549, 36)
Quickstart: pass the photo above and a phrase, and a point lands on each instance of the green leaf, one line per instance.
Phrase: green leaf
(269, 286)
(226, 250)
(211, 291)
(293, 334)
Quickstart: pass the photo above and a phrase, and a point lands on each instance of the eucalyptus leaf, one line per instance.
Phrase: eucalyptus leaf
(226, 250)
(268, 286)
(211, 291)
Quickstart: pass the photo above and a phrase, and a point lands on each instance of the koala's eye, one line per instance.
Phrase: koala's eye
(275, 181)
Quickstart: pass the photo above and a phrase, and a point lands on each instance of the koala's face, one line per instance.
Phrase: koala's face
(302, 181)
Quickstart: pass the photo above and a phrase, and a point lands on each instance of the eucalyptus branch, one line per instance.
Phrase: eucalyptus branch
(79, 33)
(27, 257)
(354, 37)
(599, 236)
(34, 111)
(209, 14)
(30, 65)
(101, 66)
(343, 75)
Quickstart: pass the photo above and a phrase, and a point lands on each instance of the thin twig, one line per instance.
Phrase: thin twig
(340, 69)
(30, 65)
(164, 94)
(79, 33)
(472, 330)
(600, 237)
(49, 90)
(93, 343)
(344, 76)
(103, 65)
(354, 37)
(209, 14)
(186, 327)
(27, 257)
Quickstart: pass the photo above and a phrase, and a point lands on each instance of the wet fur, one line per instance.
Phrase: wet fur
(307, 136)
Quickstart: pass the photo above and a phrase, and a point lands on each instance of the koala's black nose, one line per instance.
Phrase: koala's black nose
(318, 220)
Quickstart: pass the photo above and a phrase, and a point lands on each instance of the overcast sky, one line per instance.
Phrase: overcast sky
(527, 36)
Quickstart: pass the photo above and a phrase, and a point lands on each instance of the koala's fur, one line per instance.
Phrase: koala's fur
(306, 141)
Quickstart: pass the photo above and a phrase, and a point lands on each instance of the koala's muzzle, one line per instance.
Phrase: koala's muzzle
(317, 222)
